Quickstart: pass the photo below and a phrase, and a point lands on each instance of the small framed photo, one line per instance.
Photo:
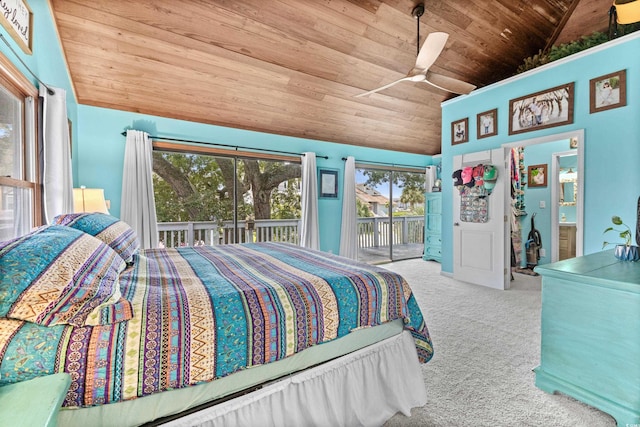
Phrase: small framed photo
(488, 123)
(608, 91)
(460, 131)
(537, 176)
(540, 110)
(328, 183)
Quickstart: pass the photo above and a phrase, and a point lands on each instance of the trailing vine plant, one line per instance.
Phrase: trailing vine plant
(566, 49)
(562, 50)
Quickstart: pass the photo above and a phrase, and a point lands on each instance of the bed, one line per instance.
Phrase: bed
(268, 331)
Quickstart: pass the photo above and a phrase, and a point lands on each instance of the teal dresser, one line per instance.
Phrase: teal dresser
(433, 227)
(590, 333)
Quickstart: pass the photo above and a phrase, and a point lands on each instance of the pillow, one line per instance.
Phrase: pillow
(114, 232)
(59, 275)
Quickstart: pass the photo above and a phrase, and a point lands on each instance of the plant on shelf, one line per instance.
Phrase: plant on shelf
(623, 251)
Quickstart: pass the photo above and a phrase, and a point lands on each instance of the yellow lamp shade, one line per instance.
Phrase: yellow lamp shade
(89, 200)
(627, 11)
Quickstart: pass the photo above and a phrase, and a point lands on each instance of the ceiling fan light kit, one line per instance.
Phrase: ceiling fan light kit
(426, 56)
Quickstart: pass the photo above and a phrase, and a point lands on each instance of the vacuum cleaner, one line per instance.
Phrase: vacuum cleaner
(533, 245)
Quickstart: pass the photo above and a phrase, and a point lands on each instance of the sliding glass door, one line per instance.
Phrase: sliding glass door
(212, 199)
(390, 205)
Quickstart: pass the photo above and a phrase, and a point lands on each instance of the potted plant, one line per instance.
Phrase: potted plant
(623, 251)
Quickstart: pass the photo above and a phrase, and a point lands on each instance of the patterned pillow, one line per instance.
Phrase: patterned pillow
(59, 275)
(114, 232)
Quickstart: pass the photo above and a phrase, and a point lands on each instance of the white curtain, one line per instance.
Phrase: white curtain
(57, 176)
(138, 203)
(309, 230)
(349, 232)
(431, 175)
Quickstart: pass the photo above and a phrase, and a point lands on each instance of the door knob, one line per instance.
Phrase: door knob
(456, 224)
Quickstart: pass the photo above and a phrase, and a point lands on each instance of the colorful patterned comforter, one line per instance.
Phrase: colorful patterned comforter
(202, 313)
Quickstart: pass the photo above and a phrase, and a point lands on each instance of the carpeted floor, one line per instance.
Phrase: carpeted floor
(486, 343)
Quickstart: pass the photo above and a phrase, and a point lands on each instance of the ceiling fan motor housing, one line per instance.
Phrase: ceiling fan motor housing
(418, 10)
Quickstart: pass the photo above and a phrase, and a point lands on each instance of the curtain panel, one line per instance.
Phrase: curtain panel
(57, 178)
(349, 228)
(309, 229)
(138, 205)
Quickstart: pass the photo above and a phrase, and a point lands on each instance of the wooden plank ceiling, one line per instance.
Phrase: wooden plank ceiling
(293, 67)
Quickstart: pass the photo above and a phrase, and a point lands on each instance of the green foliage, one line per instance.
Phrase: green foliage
(193, 187)
(204, 202)
(412, 196)
(412, 184)
(622, 233)
(362, 209)
(561, 51)
(286, 205)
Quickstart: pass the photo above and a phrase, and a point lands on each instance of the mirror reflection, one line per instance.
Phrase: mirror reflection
(568, 187)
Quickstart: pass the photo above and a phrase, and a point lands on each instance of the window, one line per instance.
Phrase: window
(19, 189)
(209, 197)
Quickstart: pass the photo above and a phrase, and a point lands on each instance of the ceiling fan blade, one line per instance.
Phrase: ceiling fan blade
(430, 50)
(382, 87)
(449, 84)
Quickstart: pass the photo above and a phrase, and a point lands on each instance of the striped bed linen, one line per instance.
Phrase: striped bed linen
(202, 313)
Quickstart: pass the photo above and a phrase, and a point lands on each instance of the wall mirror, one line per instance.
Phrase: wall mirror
(568, 187)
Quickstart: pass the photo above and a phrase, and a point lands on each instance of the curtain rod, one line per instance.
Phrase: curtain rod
(227, 146)
(387, 164)
(49, 90)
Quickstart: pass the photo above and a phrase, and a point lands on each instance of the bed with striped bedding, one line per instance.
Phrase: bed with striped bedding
(204, 313)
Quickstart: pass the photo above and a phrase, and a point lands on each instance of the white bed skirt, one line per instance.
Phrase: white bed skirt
(364, 388)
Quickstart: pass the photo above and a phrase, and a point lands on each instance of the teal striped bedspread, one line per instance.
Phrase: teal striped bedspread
(201, 313)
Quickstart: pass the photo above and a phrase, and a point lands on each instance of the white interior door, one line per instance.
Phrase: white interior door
(480, 249)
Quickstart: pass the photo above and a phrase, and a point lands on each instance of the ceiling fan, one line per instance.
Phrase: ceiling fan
(427, 55)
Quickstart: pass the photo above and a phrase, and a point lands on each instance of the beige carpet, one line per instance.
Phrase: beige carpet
(486, 343)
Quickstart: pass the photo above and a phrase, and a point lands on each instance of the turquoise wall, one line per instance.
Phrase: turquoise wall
(612, 146)
(101, 151)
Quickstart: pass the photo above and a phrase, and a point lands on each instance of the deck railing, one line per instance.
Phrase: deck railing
(372, 232)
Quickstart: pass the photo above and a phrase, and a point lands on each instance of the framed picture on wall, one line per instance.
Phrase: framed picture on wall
(540, 110)
(537, 176)
(608, 91)
(460, 131)
(487, 123)
(328, 183)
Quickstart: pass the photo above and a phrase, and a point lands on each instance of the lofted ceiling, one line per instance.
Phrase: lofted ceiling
(293, 67)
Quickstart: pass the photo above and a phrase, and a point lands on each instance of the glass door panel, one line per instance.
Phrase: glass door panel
(408, 215)
(390, 207)
(194, 198)
(269, 204)
(374, 227)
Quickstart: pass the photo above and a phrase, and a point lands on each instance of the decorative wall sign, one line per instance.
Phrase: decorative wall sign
(540, 110)
(328, 183)
(16, 17)
(460, 131)
(608, 91)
